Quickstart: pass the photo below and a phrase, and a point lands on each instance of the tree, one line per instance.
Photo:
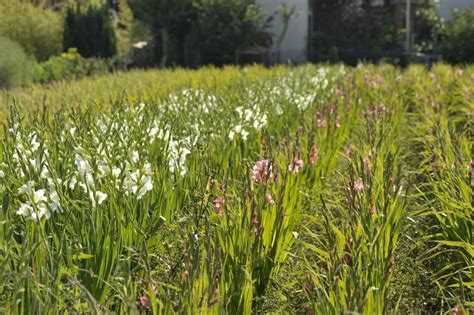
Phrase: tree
(458, 43)
(223, 27)
(39, 31)
(90, 31)
(196, 32)
(169, 22)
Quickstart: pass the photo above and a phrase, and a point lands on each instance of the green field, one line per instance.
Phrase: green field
(314, 189)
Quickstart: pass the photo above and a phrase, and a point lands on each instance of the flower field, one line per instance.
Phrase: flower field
(315, 189)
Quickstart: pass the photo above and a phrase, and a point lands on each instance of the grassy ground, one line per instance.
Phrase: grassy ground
(317, 189)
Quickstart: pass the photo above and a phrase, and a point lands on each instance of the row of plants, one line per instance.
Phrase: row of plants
(193, 33)
(320, 190)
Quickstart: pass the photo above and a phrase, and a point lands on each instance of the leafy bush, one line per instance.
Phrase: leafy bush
(69, 66)
(458, 44)
(15, 65)
(124, 26)
(39, 31)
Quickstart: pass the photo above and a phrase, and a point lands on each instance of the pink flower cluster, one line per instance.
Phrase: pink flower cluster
(269, 199)
(262, 172)
(219, 204)
(313, 155)
(379, 110)
(255, 223)
(358, 185)
(320, 122)
(296, 166)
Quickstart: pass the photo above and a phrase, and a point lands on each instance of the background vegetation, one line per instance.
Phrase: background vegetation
(123, 34)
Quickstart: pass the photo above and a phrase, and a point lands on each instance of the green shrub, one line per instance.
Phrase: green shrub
(39, 31)
(69, 66)
(15, 65)
(458, 44)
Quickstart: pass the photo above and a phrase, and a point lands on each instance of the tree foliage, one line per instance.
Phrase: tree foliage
(38, 30)
(345, 24)
(90, 31)
(196, 32)
(458, 44)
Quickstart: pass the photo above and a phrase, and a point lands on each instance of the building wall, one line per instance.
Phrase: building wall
(295, 44)
(446, 7)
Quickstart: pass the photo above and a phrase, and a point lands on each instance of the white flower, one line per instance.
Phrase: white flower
(43, 212)
(25, 210)
(244, 134)
(39, 196)
(82, 165)
(54, 204)
(36, 208)
(44, 172)
(34, 145)
(248, 114)
(89, 180)
(26, 188)
(100, 197)
(72, 182)
(135, 157)
(2, 174)
(103, 168)
(116, 172)
(97, 198)
(147, 185)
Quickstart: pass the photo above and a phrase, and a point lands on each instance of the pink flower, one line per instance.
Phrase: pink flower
(320, 122)
(296, 166)
(367, 164)
(256, 231)
(144, 301)
(373, 210)
(269, 199)
(218, 204)
(349, 152)
(276, 176)
(457, 310)
(255, 224)
(381, 108)
(261, 171)
(358, 185)
(338, 122)
(313, 155)
(186, 275)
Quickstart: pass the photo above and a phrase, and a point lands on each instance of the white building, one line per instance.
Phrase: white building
(295, 43)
